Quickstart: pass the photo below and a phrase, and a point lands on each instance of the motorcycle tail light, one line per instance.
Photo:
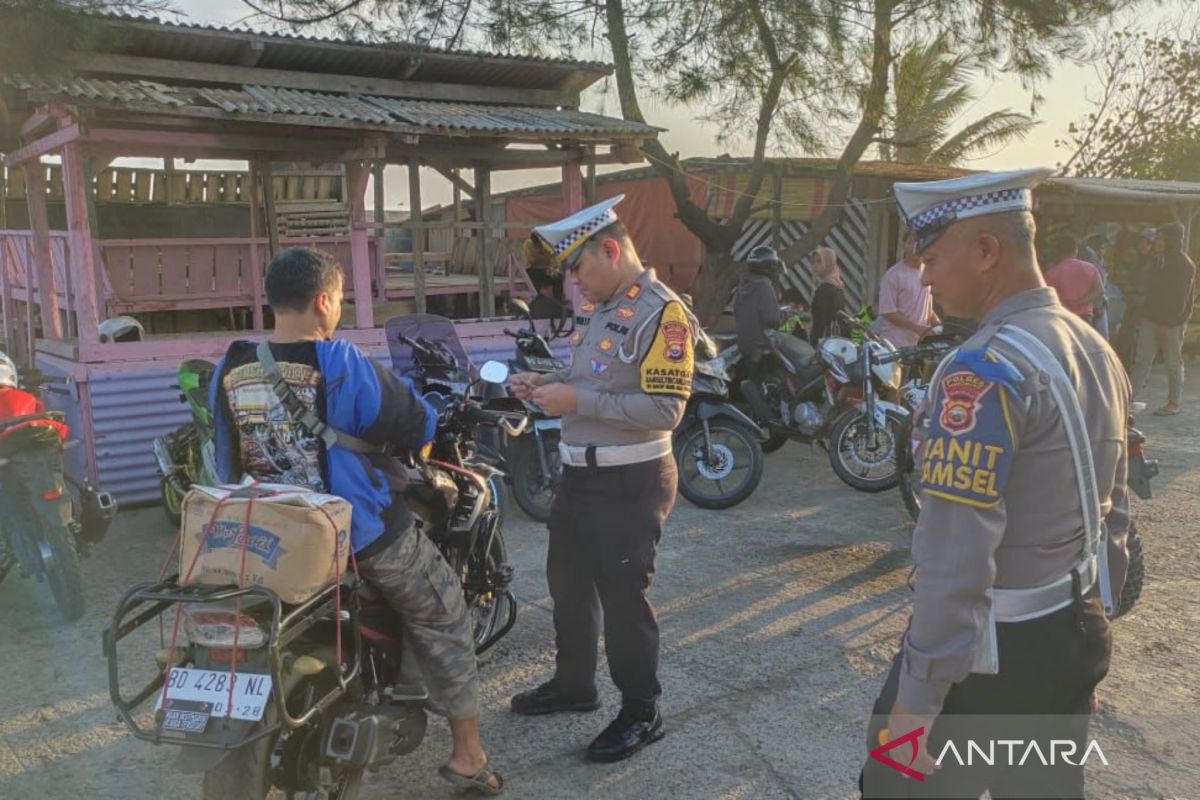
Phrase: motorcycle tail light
(1135, 449)
(217, 628)
(52, 494)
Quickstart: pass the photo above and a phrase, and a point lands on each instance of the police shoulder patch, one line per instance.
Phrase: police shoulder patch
(969, 451)
(666, 367)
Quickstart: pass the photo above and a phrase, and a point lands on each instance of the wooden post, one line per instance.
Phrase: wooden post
(487, 278)
(257, 274)
(83, 250)
(380, 232)
(572, 197)
(47, 283)
(272, 220)
(357, 174)
(6, 304)
(777, 212)
(418, 233)
(589, 184)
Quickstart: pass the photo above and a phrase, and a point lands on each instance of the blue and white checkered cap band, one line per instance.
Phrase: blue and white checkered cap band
(608, 217)
(954, 209)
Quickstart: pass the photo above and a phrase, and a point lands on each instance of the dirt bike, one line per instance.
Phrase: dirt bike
(307, 697)
(185, 456)
(49, 521)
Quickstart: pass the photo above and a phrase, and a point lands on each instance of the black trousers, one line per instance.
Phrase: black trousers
(1048, 670)
(605, 524)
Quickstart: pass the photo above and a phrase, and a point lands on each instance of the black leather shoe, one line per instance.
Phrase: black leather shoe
(626, 735)
(545, 699)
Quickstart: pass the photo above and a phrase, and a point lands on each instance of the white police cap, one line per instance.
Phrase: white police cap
(552, 244)
(933, 206)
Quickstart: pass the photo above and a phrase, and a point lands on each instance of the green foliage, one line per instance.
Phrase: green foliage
(931, 90)
(1146, 121)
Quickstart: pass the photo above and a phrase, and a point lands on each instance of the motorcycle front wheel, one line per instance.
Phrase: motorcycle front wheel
(910, 482)
(723, 475)
(863, 462)
(533, 490)
(1135, 573)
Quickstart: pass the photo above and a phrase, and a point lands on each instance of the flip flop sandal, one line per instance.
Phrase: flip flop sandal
(1166, 412)
(474, 783)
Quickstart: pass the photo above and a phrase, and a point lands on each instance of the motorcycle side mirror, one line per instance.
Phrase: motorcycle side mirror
(494, 372)
(520, 305)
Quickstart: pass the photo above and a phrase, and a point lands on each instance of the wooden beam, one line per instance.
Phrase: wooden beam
(251, 53)
(43, 146)
(418, 234)
(172, 70)
(455, 181)
(357, 174)
(136, 141)
(83, 264)
(487, 278)
(47, 283)
(257, 272)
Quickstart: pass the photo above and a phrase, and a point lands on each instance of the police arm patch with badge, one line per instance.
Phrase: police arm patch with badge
(969, 452)
(666, 367)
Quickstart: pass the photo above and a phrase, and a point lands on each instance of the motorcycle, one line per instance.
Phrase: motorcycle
(715, 442)
(840, 395)
(307, 697)
(535, 466)
(187, 455)
(50, 521)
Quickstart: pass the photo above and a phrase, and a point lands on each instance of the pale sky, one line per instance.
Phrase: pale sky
(1066, 100)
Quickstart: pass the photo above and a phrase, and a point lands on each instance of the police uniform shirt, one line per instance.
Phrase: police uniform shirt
(631, 365)
(1001, 503)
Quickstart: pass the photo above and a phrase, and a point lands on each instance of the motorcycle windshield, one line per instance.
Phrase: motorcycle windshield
(420, 368)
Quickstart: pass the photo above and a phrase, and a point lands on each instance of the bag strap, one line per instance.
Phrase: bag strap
(1067, 400)
(304, 415)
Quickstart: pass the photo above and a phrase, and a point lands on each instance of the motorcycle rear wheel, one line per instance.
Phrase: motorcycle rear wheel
(1135, 574)
(63, 572)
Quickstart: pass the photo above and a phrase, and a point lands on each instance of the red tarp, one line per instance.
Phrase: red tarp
(662, 241)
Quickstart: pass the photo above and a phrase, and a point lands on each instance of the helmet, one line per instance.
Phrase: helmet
(8, 372)
(121, 329)
(764, 257)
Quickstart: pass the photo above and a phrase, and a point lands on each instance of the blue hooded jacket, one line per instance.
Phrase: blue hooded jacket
(362, 399)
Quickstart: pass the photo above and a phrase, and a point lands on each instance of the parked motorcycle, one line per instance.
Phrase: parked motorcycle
(306, 698)
(718, 449)
(840, 395)
(534, 463)
(186, 455)
(49, 522)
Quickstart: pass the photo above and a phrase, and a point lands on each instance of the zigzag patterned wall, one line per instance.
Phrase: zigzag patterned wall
(848, 239)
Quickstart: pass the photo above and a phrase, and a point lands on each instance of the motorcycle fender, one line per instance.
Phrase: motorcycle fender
(548, 424)
(192, 760)
(707, 409)
(881, 409)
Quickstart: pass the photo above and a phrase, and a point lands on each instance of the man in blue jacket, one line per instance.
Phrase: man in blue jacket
(352, 394)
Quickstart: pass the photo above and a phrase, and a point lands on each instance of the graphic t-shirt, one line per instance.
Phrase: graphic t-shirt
(272, 447)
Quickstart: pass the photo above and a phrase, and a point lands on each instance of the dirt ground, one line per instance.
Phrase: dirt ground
(778, 618)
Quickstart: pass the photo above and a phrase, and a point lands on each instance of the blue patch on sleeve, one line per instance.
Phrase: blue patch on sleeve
(969, 452)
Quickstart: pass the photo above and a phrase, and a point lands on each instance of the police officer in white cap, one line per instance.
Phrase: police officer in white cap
(1020, 546)
(623, 394)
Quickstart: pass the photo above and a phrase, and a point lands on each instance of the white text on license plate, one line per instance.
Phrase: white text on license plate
(251, 692)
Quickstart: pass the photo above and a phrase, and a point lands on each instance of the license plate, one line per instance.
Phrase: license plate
(185, 716)
(251, 692)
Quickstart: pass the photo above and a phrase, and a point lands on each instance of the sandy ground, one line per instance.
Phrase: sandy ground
(778, 618)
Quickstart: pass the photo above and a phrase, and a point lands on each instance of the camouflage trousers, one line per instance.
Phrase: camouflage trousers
(419, 585)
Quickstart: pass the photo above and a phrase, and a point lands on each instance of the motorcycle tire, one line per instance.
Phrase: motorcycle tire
(844, 426)
(693, 475)
(528, 486)
(245, 774)
(172, 501)
(1135, 574)
(63, 572)
(489, 617)
(910, 485)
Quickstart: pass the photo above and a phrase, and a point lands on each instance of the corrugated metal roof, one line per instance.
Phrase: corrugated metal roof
(409, 115)
(157, 38)
(1132, 189)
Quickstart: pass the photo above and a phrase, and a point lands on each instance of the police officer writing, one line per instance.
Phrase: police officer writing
(620, 398)
(1020, 546)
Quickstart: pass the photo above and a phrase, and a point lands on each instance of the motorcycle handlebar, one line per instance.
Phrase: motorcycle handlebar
(499, 419)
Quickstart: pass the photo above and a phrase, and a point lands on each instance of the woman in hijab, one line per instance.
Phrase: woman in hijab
(829, 298)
